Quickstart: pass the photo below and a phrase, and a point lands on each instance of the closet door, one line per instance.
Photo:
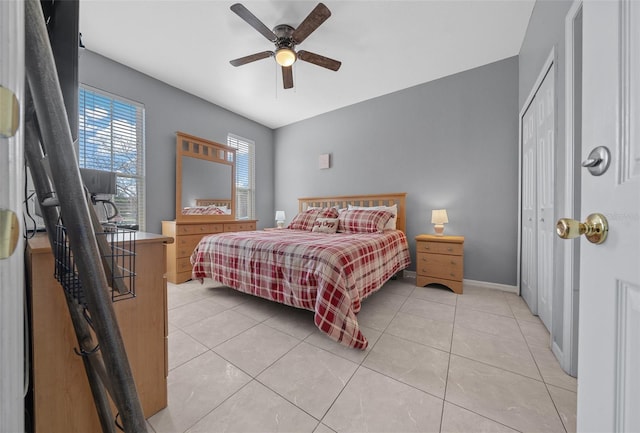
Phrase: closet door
(538, 222)
(529, 257)
(545, 132)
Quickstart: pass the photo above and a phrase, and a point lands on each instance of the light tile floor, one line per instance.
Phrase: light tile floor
(436, 362)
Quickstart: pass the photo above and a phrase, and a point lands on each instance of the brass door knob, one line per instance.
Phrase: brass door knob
(595, 228)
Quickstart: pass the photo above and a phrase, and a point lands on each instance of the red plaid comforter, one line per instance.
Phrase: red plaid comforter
(329, 274)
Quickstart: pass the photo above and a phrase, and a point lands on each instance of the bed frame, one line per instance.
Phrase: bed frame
(343, 201)
(213, 202)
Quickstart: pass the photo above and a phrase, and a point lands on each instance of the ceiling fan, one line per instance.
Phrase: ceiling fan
(285, 39)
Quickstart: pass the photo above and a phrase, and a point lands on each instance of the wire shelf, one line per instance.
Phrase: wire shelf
(121, 260)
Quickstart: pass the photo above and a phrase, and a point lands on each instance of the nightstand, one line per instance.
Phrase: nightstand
(440, 260)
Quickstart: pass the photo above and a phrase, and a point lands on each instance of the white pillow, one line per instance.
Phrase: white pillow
(325, 225)
(393, 209)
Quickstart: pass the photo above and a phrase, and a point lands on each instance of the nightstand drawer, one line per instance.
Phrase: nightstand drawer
(439, 248)
(440, 266)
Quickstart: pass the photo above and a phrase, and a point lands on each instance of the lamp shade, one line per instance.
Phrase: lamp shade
(285, 57)
(439, 216)
(280, 218)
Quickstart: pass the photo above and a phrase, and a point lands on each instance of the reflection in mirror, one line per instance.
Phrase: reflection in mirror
(204, 179)
(205, 173)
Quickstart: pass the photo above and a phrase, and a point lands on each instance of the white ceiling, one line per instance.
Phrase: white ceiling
(384, 46)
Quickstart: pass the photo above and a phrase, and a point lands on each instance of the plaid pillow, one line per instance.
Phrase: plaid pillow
(328, 212)
(304, 220)
(363, 220)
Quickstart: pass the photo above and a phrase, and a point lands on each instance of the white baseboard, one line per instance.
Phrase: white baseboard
(495, 286)
(483, 284)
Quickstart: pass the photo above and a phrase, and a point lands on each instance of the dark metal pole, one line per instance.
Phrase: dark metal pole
(58, 144)
(85, 342)
(43, 187)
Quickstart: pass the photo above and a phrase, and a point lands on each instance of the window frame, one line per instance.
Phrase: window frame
(140, 143)
(240, 144)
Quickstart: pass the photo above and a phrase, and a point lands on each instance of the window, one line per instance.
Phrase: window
(245, 175)
(111, 138)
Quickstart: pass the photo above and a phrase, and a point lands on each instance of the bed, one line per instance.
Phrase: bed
(328, 273)
(209, 206)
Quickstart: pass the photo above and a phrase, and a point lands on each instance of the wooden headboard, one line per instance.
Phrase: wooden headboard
(343, 201)
(213, 202)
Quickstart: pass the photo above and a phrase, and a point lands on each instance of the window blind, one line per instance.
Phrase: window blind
(245, 175)
(111, 138)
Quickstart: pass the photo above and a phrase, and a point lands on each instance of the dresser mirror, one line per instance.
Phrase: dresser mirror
(205, 173)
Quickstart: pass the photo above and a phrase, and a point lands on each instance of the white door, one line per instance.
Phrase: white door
(11, 197)
(545, 175)
(538, 219)
(609, 328)
(528, 283)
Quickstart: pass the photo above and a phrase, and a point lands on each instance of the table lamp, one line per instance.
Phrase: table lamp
(439, 219)
(280, 217)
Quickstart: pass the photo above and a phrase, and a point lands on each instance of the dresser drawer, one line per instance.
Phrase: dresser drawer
(439, 248)
(183, 264)
(440, 266)
(186, 244)
(192, 229)
(240, 227)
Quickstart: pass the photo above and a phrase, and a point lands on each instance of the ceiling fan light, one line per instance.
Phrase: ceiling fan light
(285, 57)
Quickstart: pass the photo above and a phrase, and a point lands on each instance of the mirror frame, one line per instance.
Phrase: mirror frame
(195, 147)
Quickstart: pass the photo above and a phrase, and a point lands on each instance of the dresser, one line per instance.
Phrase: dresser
(62, 399)
(440, 259)
(187, 235)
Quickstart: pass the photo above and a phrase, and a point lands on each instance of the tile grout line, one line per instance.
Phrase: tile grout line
(446, 379)
(546, 385)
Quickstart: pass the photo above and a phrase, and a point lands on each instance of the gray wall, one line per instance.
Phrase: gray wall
(451, 143)
(169, 110)
(545, 31)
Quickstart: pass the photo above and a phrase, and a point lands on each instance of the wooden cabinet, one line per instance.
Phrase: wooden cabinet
(187, 235)
(62, 400)
(440, 259)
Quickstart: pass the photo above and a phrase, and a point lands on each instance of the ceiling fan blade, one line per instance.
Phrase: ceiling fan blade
(319, 60)
(254, 22)
(287, 77)
(317, 16)
(251, 58)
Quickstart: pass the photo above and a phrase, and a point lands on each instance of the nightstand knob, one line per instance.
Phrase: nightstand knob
(449, 249)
